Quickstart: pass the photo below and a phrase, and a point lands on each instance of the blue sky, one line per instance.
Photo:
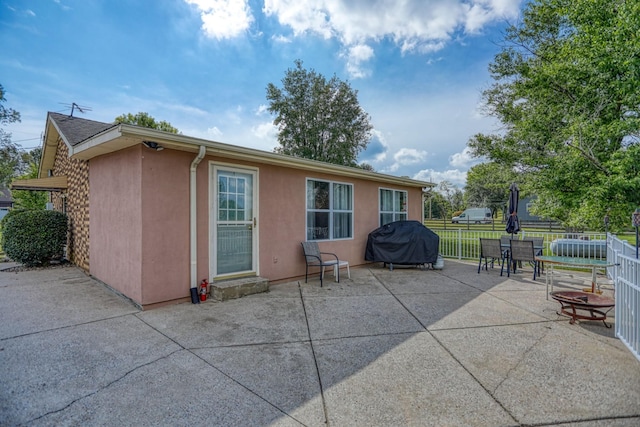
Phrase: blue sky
(419, 67)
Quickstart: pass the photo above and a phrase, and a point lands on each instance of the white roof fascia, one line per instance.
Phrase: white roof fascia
(136, 134)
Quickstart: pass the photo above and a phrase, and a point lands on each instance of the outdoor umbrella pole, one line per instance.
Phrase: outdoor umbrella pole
(513, 225)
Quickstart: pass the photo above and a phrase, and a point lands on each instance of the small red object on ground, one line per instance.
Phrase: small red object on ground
(203, 290)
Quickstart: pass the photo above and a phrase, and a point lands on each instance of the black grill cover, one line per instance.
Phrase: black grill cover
(402, 242)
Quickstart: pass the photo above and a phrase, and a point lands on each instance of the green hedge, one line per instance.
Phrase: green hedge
(34, 237)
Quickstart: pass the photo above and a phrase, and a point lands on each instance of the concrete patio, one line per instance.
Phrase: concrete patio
(402, 347)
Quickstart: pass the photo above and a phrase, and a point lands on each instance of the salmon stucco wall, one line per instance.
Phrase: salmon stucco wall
(281, 223)
(140, 228)
(140, 221)
(165, 225)
(116, 221)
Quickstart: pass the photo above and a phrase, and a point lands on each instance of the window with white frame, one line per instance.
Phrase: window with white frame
(393, 206)
(329, 210)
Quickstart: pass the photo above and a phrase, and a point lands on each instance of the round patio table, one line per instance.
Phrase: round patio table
(594, 304)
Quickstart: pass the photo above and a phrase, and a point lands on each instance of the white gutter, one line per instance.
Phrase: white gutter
(124, 135)
(193, 250)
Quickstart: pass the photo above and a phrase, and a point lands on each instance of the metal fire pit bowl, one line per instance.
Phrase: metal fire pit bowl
(595, 305)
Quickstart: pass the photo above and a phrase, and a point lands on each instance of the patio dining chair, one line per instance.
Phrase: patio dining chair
(505, 242)
(538, 244)
(314, 258)
(522, 250)
(490, 251)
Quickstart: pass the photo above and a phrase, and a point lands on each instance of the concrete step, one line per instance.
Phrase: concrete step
(236, 288)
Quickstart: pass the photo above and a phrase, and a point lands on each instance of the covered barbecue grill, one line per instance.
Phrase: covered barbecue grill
(403, 243)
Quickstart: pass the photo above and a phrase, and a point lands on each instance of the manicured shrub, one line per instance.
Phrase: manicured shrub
(34, 237)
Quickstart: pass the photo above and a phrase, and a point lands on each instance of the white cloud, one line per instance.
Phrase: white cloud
(214, 133)
(413, 25)
(223, 19)
(281, 39)
(301, 16)
(64, 7)
(30, 12)
(406, 157)
(265, 130)
(356, 56)
(463, 159)
(378, 146)
(454, 176)
(262, 110)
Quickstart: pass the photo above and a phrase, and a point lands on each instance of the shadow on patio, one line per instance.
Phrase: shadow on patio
(402, 347)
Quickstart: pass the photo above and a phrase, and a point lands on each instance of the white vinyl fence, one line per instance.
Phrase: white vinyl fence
(465, 244)
(626, 279)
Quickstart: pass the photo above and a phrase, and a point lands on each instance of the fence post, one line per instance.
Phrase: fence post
(459, 243)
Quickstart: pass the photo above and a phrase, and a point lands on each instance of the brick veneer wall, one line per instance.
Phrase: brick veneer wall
(77, 203)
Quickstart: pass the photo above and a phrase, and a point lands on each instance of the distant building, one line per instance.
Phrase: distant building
(524, 210)
(6, 201)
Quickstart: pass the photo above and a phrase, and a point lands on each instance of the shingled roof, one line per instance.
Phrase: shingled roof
(76, 129)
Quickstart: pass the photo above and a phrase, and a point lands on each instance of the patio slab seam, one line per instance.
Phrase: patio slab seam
(315, 357)
(222, 372)
(476, 379)
(451, 354)
(73, 325)
(104, 387)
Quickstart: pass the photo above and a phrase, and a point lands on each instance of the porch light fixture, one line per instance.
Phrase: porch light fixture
(153, 145)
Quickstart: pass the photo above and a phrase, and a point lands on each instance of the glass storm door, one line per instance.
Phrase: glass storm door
(235, 217)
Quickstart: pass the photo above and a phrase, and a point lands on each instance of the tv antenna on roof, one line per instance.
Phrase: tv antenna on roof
(75, 106)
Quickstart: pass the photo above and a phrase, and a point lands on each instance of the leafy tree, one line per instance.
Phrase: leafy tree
(366, 166)
(452, 196)
(145, 120)
(567, 91)
(488, 185)
(438, 205)
(12, 161)
(27, 199)
(7, 115)
(317, 118)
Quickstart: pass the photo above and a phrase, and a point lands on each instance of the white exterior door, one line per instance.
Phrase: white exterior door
(233, 221)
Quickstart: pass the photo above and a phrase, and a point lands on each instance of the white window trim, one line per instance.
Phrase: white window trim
(331, 211)
(394, 212)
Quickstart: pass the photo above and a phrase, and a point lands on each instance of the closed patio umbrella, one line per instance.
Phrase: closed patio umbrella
(513, 225)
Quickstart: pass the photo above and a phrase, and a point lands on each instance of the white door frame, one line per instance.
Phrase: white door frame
(214, 168)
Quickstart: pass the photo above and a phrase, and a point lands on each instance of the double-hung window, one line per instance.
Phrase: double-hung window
(393, 206)
(329, 210)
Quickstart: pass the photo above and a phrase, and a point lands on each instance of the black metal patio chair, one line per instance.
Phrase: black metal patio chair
(523, 250)
(491, 251)
(313, 258)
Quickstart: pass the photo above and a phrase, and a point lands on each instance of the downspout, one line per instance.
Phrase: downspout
(193, 228)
